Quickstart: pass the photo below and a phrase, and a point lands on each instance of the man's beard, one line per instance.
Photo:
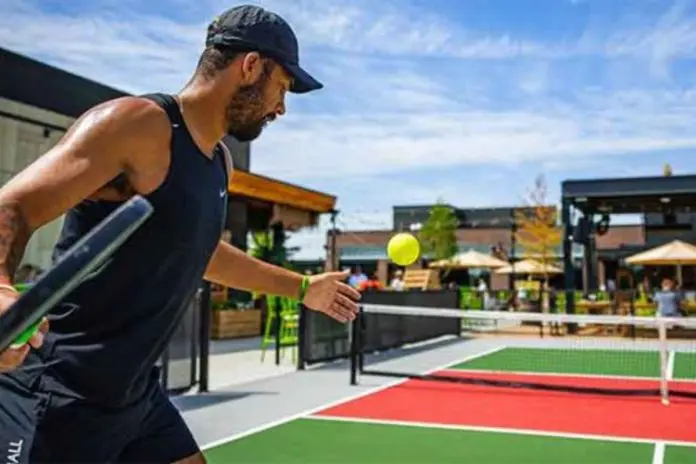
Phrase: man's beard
(245, 117)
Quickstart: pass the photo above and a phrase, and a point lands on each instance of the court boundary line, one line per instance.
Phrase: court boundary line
(552, 374)
(566, 374)
(502, 430)
(659, 452)
(310, 411)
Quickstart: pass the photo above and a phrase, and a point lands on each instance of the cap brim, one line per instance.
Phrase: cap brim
(303, 82)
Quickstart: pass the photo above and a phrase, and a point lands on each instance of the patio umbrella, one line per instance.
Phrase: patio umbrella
(471, 259)
(675, 253)
(529, 266)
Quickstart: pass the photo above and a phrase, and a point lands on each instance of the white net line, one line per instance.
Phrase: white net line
(638, 321)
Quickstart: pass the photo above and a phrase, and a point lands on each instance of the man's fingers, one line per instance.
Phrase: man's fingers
(338, 314)
(345, 311)
(347, 303)
(13, 357)
(37, 339)
(349, 291)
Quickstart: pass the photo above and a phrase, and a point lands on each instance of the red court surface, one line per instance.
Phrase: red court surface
(534, 410)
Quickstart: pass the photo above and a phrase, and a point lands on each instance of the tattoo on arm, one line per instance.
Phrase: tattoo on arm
(14, 235)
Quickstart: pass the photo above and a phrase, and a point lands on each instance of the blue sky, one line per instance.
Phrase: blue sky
(465, 100)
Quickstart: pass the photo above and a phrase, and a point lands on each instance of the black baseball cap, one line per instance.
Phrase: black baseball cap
(253, 28)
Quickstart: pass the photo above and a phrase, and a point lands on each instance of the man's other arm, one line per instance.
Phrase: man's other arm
(233, 268)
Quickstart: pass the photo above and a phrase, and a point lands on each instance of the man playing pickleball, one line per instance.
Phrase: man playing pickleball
(88, 390)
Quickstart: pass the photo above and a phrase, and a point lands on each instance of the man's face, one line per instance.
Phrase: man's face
(255, 105)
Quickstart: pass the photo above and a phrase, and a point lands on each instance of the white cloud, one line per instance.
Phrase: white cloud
(391, 143)
(671, 37)
(401, 118)
(367, 27)
(385, 111)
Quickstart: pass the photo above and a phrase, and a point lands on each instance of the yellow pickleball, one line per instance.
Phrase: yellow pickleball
(403, 249)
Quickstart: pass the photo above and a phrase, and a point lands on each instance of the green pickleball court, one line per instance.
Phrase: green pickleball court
(307, 441)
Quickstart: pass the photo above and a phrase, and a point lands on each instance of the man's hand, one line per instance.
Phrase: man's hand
(12, 358)
(328, 294)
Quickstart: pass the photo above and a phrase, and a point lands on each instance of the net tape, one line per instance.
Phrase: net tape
(639, 321)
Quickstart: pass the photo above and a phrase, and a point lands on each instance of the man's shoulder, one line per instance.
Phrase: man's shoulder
(127, 124)
(138, 114)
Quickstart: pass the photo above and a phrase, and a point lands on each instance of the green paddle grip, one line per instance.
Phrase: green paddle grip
(26, 335)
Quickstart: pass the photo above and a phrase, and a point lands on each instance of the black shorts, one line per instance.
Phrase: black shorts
(39, 427)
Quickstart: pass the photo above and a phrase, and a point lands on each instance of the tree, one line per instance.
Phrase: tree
(438, 235)
(667, 170)
(538, 233)
(270, 246)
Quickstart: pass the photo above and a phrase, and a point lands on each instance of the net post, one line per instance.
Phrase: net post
(354, 347)
(664, 359)
(361, 331)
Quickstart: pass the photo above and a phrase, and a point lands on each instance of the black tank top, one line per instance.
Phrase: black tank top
(106, 337)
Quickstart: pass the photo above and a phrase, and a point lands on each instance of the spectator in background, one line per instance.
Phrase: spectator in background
(482, 290)
(397, 282)
(481, 287)
(357, 277)
(611, 288)
(668, 299)
(372, 283)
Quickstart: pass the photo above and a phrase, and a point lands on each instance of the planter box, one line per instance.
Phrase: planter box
(236, 324)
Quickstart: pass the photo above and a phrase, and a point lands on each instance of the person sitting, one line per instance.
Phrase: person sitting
(397, 282)
(668, 299)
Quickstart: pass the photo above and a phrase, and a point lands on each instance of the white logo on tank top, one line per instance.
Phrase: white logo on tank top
(14, 451)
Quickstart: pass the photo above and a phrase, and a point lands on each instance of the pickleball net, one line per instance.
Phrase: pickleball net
(584, 354)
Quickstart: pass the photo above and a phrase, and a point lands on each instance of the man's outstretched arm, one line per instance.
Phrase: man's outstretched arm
(231, 267)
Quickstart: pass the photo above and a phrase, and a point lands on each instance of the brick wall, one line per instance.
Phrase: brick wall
(616, 236)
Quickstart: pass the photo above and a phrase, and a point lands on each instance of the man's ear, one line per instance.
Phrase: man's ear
(251, 67)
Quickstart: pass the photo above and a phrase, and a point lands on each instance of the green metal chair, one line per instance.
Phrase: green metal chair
(288, 310)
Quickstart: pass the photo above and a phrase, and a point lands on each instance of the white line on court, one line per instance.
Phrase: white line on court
(472, 428)
(347, 399)
(569, 374)
(659, 453)
(553, 374)
(670, 365)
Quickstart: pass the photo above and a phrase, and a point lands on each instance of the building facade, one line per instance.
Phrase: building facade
(486, 230)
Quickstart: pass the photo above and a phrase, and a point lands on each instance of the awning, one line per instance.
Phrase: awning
(255, 186)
